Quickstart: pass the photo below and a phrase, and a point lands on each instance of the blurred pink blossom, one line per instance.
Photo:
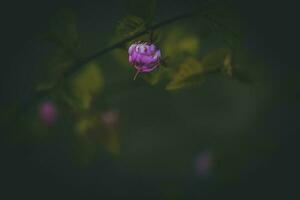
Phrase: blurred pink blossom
(110, 118)
(47, 112)
(204, 163)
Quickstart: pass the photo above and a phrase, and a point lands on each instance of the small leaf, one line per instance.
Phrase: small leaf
(130, 25)
(179, 42)
(86, 84)
(86, 124)
(190, 68)
(214, 60)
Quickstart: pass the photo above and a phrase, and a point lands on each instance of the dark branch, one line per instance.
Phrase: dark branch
(81, 63)
(121, 43)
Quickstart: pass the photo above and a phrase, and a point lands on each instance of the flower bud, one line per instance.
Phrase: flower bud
(145, 57)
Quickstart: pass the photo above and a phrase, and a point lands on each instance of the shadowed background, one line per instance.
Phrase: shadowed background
(137, 140)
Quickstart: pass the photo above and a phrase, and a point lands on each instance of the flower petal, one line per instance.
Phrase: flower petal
(131, 48)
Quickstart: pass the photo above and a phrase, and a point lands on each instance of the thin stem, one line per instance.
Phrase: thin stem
(136, 74)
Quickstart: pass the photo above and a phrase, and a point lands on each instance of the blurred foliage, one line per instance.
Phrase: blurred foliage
(86, 140)
(179, 41)
(87, 123)
(152, 135)
(136, 20)
(92, 128)
(189, 68)
(214, 60)
(63, 34)
(188, 61)
(130, 25)
(85, 85)
(228, 65)
(111, 142)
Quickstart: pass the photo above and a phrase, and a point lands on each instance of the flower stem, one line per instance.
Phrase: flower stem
(136, 74)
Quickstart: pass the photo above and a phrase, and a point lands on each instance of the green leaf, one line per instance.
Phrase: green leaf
(190, 68)
(228, 65)
(130, 25)
(87, 123)
(214, 60)
(179, 41)
(85, 86)
(191, 71)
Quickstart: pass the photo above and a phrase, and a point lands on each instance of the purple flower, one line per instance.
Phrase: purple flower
(47, 112)
(144, 56)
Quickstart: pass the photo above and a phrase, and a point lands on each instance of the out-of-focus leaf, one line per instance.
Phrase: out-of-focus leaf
(228, 66)
(189, 44)
(86, 124)
(179, 41)
(214, 60)
(63, 31)
(91, 128)
(190, 68)
(87, 138)
(112, 142)
(130, 25)
(85, 85)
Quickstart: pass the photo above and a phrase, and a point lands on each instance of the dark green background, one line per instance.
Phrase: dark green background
(164, 132)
